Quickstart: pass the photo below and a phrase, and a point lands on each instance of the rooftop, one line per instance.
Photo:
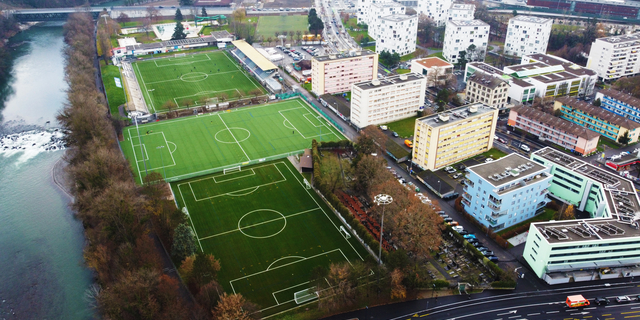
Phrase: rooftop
(554, 77)
(399, 17)
(433, 62)
(261, 61)
(567, 65)
(507, 169)
(387, 5)
(365, 52)
(486, 80)
(521, 83)
(485, 67)
(620, 39)
(597, 112)
(529, 19)
(455, 115)
(389, 81)
(463, 6)
(586, 230)
(621, 96)
(555, 122)
(620, 193)
(222, 35)
(468, 23)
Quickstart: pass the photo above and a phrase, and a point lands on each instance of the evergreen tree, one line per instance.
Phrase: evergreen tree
(184, 242)
(179, 15)
(204, 12)
(178, 32)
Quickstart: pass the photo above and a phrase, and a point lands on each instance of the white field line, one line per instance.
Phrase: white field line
(175, 99)
(324, 121)
(285, 289)
(220, 175)
(234, 138)
(334, 225)
(181, 63)
(178, 79)
(166, 142)
(134, 155)
(145, 89)
(257, 224)
(243, 72)
(291, 123)
(317, 126)
(236, 191)
(253, 173)
(193, 226)
(144, 153)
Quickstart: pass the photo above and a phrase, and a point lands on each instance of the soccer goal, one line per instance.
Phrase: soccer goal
(230, 170)
(345, 233)
(307, 184)
(305, 296)
(180, 55)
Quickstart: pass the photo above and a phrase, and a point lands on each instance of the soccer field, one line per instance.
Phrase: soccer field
(268, 229)
(269, 25)
(192, 146)
(192, 80)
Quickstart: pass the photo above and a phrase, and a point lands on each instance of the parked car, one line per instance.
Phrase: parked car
(457, 175)
(477, 243)
(601, 301)
(451, 196)
(449, 170)
(493, 258)
(463, 232)
(487, 160)
(525, 147)
(395, 134)
(457, 229)
(487, 253)
(469, 236)
(461, 167)
(623, 299)
(448, 219)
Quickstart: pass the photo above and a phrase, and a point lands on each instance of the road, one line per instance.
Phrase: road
(533, 305)
(338, 40)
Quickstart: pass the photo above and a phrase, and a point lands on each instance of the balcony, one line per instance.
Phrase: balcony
(495, 201)
(491, 221)
(466, 202)
(493, 207)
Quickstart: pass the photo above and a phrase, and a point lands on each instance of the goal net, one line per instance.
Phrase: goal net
(178, 55)
(345, 233)
(230, 170)
(185, 211)
(305, 296)
(307, 184)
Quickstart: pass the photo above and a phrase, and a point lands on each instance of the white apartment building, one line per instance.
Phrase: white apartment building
(615, 57)
(462, 11)
(381, 101)
(436, 10)
(369, 11)
(395, 33)
(336, 73)
(460, 34)
(527, 35)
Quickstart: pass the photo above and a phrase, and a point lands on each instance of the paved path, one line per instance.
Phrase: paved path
(135, 92)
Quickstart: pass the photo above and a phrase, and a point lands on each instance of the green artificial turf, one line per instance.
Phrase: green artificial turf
(269, 25)
(114, 94)
(192, 80)
(267, 229)
(197, 145)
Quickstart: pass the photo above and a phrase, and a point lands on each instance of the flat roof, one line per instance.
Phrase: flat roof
(567, 65)
(621, 39)
(585, 230)
(597, 112)
(620, 193)
(399, 17)
(468, 23)
(389, 81)
(507, 169)
(433, 62)
(529, 19)
(486, 80)
(555, 122)
(463, 6)
(329, 57)
(261, 61)
(554, 77)
(388, 5)
(486, 67)
(223, 34)
(456, 115)
(621, 96)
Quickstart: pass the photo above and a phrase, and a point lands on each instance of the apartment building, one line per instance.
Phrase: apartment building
(395, 33)
(527, 35)
(622, 104)
(601, 121)
(506, 191)
(372, 10)
(462, 11)
(615, 57)
(605, 246)
(460, 34)
(436, 10)
(381, 101)
(434, 69)
(550, 128)
(336, 73)
(448, 137)
(484, 88)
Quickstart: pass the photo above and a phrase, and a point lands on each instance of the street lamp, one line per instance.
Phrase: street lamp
(439, 189)
(382, 199)
(162, 159)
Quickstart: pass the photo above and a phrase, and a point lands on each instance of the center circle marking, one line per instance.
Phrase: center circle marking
(194, 76)
(251, 226)
(237, 132)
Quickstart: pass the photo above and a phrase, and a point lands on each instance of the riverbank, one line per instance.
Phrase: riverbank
(61, 178)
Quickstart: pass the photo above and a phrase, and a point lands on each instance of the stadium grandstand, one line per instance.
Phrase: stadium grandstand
(624, 9)
(256, 63)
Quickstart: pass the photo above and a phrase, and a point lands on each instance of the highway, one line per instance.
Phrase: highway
(338, 40)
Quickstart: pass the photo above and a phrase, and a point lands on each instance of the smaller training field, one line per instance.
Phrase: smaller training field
(197, 145)
(269, 25)
(192, 80)
(268, 229)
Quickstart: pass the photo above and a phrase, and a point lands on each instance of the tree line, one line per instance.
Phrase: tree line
(121, 218)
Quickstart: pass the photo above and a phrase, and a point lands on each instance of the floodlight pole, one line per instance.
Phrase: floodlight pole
(162, 159)
(382, 199)
(146, 173)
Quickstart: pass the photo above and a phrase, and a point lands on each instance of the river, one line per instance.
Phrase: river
(41, 266)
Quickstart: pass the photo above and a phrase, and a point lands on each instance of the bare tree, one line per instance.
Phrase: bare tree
(152, 13)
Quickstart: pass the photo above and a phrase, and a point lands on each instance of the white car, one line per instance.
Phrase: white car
(487, 160)
(525, 147)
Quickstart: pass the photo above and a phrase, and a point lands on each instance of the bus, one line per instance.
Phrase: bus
(577, 301)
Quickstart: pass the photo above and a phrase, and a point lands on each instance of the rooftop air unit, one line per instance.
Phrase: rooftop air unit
(443, 117)
(473, 109)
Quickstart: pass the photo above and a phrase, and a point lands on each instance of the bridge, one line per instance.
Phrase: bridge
(62, 14)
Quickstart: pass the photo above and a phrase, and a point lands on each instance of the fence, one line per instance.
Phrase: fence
(241, 164)
(284, 96)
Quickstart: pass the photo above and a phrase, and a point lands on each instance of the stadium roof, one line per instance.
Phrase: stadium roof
(263, 63)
